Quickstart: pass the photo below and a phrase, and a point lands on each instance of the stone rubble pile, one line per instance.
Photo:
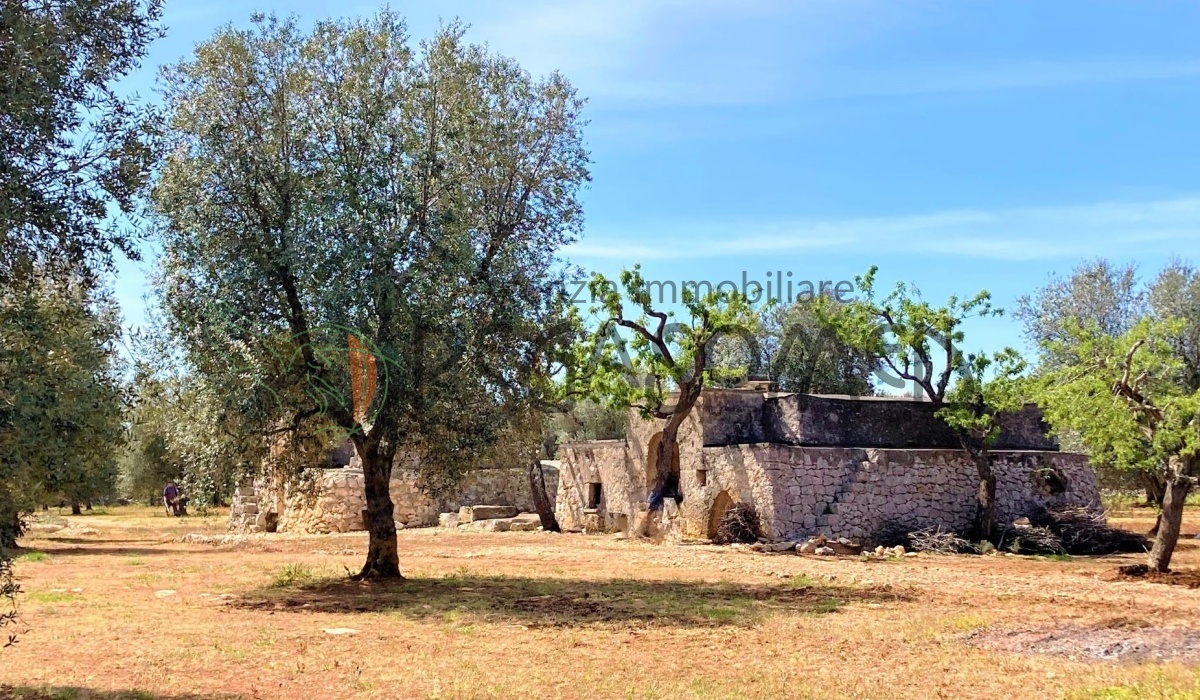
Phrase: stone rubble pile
(491, 519)
(819, 545)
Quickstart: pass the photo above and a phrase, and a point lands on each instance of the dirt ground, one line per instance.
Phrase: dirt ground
(119, 604)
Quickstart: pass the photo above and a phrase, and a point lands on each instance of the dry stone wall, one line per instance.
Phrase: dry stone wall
(801, 491)
(859, 493)
(336, 502)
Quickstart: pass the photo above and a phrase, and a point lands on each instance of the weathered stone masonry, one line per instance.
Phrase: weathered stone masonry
(838, 466)
(338, 500)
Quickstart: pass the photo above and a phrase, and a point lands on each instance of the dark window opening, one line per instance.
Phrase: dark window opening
(594, 493)
(702, 477)
(1050, 481)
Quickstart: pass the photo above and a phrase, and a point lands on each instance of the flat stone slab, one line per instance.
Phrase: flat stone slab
(490, 525)
(448, 520)
(519, 525)
(469, 514)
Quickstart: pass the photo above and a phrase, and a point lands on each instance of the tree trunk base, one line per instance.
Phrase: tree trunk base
(1169, 523)
(1157, 524)
(377, 572)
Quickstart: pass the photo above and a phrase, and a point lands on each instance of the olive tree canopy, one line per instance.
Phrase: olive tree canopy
(345, 202)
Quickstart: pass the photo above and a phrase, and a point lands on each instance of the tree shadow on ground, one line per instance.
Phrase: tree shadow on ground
(8, 692)
(555, 602)
(102, 551)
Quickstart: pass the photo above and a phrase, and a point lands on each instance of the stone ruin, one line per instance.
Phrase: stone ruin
(809, 465)
(337, 500)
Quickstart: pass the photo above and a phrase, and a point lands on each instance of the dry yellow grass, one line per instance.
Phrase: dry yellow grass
(534, 615)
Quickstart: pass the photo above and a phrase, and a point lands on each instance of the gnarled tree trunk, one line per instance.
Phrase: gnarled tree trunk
(11, 526)
(1171, 517)
(383, 558)
(76, 508)
(1156, 489)
(985, 495)
(541, 500)
(666, 480)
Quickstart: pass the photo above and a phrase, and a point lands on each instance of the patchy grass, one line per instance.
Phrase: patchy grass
(51, 597)
(501, 615)
(1158, 688)
(1052, 557)
(33, 556)
(53, 693)
(802, 581)
(966, 623)
(293, 575)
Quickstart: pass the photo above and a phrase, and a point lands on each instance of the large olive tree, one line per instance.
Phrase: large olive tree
(343, 194)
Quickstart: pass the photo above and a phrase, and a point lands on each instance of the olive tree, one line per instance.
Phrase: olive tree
(1111, 299)
(668, 367)
(61, 398)
(799, 353)
(1122, 395)
(75, 151)
(921, 343)
(346, 214)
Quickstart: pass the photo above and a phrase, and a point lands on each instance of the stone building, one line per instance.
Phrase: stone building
(336, 501)
(809, 464)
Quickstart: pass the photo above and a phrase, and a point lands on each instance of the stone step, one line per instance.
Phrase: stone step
(467, 514)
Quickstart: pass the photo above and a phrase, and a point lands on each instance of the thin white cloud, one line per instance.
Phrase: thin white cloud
(1106, 228)
(642, 53)
(661, 53)
(933, 79)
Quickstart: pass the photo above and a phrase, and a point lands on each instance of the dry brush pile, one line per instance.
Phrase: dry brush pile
(1069, 531)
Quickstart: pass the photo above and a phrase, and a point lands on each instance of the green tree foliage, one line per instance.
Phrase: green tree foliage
(148, 463)
(61, 399)
(1112, 299)
(589, 419)
(345, 184)
(662, 367)
(74, 152)
(73, 149)
(1174, 299)
(544, 386)
(799, 353)
(920, 343)
(1097, 292)
(1122, 395)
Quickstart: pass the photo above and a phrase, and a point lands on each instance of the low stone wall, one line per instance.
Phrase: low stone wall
(246, 513)
(859, 493)
(336, 502)
(839, 492)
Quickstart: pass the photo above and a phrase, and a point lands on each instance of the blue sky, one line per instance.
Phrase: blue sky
(958, 145)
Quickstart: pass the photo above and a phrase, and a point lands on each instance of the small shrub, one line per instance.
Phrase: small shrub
(293, 575)
(802, 581)
(829, 605)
